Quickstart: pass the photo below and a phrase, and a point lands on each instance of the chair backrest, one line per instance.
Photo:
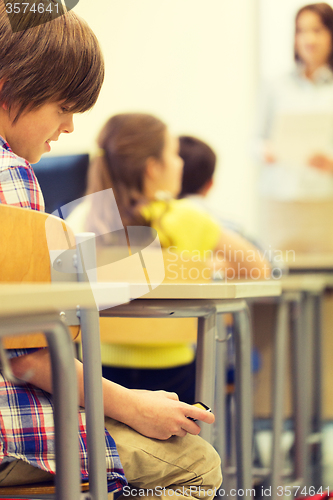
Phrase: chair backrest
(62, 179)
(24, 255)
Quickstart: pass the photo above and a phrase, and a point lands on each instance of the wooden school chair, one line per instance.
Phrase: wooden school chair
(26, 239)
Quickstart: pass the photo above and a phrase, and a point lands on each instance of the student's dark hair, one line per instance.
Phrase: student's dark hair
(59, 60)
(199, 164)
(325, 12)
(126, 142)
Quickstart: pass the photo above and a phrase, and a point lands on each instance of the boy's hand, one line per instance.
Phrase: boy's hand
(160, 415)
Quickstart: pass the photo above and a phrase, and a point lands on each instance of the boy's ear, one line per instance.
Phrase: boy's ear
(2, 104)
(206, 187)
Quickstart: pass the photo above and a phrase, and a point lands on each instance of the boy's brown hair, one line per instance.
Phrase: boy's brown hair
(54, 61)
(199, 164)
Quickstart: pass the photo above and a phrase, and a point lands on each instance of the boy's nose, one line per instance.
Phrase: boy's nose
(68, 126)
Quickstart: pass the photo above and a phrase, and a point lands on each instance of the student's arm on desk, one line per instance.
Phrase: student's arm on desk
(241, 257)
(155, 414)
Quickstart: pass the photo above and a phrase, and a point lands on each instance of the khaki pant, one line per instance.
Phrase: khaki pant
(180, 467)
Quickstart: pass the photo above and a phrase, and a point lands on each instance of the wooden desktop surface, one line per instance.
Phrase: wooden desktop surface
(210, 290)
(307, 282)
(309, 261)
(34, 298)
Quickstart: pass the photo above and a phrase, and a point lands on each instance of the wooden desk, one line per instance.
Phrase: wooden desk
(29, 299)
(305, 293)
(322, 263)
(309, 262)
(300, 306)
(216, 290)
(297, 283)
(205, 301)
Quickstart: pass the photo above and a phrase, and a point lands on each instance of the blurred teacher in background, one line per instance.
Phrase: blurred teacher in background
(295, 141)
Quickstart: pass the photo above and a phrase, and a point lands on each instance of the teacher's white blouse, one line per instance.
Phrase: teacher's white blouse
(294, 94)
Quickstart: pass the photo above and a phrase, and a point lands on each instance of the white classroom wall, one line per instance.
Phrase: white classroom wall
(198, 66)
(192, 63)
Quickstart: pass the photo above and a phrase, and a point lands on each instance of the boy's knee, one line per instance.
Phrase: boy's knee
(206, 462)
(213, 477)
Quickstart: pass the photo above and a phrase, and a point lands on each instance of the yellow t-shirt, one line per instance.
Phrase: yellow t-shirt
(180, 225)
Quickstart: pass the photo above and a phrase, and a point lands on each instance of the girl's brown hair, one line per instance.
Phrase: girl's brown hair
(126, 142)
(325, 12)
(58, 60)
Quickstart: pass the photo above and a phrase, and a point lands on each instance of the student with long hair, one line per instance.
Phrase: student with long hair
(138, 158)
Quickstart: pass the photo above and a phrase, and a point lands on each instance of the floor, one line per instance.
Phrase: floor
(263, 446)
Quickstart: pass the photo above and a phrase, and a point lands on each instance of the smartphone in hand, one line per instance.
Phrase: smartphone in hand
(201, 405)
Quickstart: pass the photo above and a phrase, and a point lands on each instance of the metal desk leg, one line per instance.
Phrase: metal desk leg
(280, 345)
(220, 397)
(297, 338)
(93, 392)
(317, 469)
(244, 413)
(308, 342)
(205, 368)
(67, 479)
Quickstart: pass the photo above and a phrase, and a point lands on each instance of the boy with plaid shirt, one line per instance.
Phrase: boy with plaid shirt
(48, 72)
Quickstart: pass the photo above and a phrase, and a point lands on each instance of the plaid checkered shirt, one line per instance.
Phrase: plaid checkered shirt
(26, 412)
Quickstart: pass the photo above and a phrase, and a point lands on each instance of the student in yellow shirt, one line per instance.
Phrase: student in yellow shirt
(139, 159)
